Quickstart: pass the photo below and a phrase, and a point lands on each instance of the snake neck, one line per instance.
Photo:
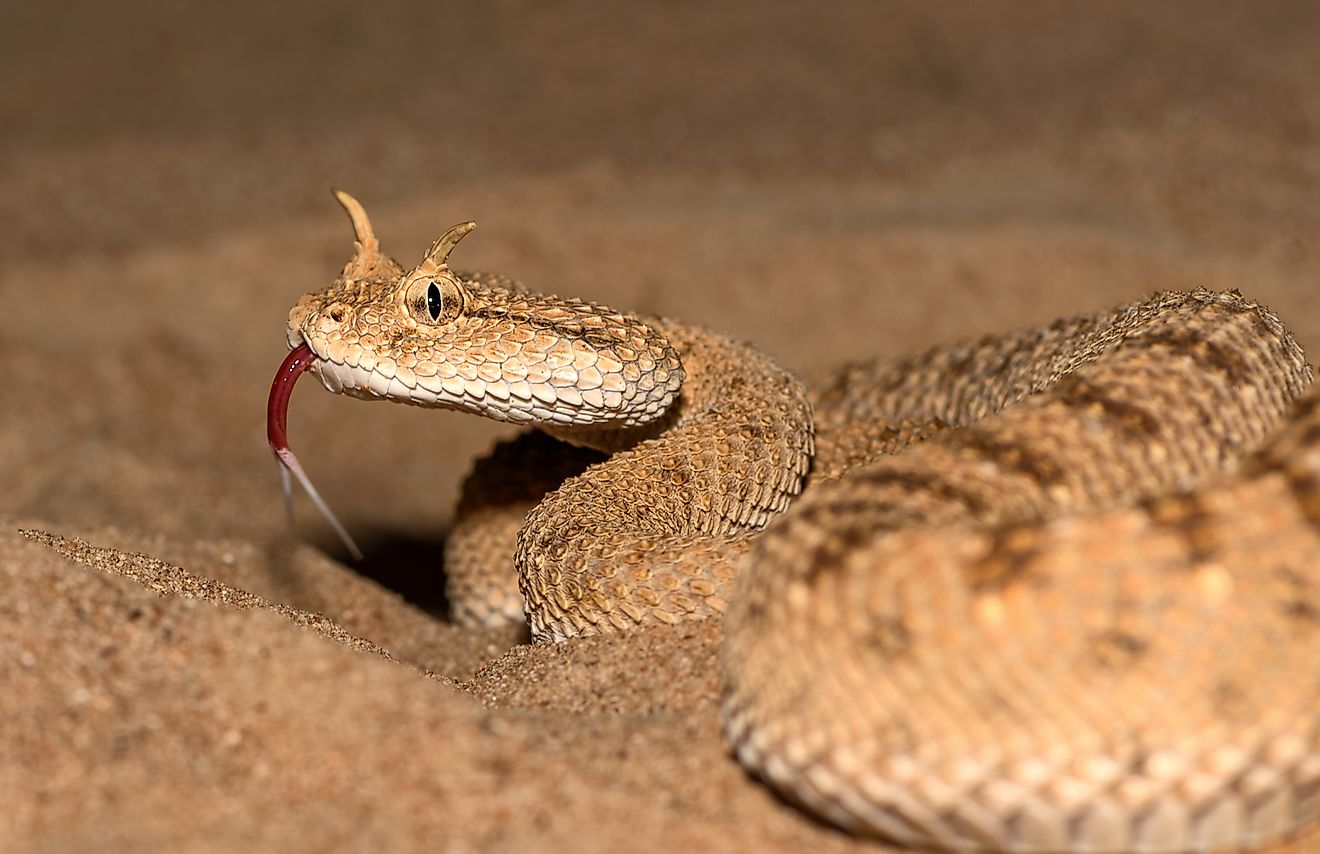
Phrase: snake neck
(673, 509)
(613, 440)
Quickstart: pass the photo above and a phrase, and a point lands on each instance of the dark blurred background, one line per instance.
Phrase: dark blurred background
(234, 110)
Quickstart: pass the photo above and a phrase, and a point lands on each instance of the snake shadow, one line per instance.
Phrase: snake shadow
(409, 565)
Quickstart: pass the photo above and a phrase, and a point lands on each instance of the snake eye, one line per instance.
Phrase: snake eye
(435, 303)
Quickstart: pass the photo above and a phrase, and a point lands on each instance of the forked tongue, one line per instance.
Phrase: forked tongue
(277, 421)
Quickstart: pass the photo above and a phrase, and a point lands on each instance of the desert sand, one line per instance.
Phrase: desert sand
(182, 671)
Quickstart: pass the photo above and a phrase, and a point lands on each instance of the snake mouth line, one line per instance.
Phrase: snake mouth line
(345, 376)
(300, 358)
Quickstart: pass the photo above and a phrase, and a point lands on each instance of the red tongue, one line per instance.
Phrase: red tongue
(277, 421)
(277, 407)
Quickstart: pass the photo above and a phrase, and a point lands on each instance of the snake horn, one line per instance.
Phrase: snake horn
(438, 255)
(367, 244)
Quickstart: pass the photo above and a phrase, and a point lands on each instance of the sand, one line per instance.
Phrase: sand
(182, 671)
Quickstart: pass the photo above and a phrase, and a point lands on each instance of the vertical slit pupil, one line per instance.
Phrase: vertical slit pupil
(434, 302)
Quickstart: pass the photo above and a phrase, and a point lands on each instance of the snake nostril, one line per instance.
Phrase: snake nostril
(337, 313)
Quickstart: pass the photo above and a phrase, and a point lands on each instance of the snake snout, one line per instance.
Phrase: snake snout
(296, 322)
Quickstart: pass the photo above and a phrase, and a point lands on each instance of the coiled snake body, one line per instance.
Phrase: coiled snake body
(1050, 591)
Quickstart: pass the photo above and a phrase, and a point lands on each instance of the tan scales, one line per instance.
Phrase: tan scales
(1050, 591)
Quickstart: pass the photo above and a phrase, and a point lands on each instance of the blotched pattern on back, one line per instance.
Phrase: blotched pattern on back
(1056, 590)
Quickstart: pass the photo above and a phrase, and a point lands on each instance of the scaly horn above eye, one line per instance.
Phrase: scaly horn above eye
(438, 255)
(362, 231)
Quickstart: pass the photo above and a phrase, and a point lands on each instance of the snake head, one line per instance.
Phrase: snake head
(431, 336)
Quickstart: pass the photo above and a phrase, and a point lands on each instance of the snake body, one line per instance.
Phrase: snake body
(1050, 591)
